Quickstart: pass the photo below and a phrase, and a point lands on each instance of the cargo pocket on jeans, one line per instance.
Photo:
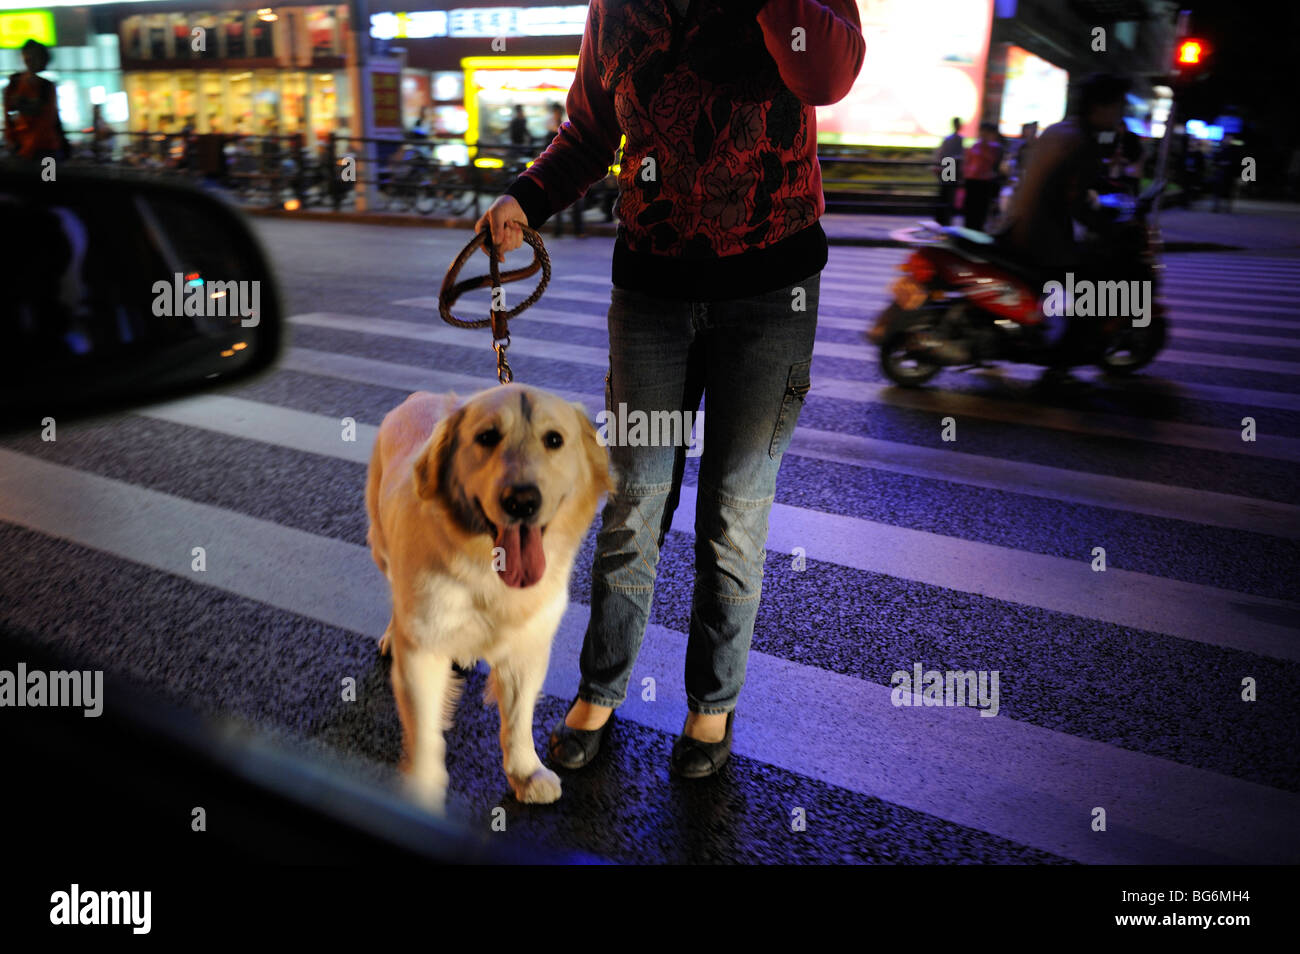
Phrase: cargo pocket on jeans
(797, 383)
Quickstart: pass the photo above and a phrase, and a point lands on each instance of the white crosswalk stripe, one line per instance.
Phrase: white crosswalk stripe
(1178, 609)
(1104, 425)
(1212, 509)
(1018, 779)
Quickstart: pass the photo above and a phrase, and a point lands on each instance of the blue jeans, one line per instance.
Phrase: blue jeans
(750, 358)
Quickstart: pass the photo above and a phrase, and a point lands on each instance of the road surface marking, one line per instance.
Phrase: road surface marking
(1205, 614)
(1011, 779)
(1226, 440)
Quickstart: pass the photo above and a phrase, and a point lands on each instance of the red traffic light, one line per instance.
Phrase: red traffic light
(1190, 53)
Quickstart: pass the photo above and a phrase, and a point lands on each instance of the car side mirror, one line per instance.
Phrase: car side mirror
(120, 290)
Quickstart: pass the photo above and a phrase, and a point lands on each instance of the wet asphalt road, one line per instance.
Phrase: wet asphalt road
(1119, 690)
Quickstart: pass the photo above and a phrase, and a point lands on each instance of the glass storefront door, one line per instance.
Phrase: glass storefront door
(152, 98)
(213, 115)
(239, 102)
(324, 105)
(293, 102)
(187, 100)
(266, 103)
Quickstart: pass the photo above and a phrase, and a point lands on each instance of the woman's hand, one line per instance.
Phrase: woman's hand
(503, 219)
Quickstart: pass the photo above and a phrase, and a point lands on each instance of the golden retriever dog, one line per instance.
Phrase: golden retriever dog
(477, 510)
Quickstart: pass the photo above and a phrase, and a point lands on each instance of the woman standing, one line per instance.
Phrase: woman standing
(32, 126)
(716, 274)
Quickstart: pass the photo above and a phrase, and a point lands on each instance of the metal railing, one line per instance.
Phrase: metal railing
(416, 175)
(391, 174)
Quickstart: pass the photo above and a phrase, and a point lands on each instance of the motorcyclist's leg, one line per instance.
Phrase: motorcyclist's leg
(1063, 343)
(1096, 264)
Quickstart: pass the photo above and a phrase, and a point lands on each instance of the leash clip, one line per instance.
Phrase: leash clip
(504, 374)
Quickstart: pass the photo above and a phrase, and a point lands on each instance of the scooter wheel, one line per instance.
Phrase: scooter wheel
(1134, 348)
(903, 363)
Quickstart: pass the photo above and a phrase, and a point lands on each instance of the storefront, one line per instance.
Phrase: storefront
(258, 71)
(495, 85)
(252, 102)
(451, 88)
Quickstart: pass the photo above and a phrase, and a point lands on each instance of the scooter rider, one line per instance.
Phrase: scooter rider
(1054, 193)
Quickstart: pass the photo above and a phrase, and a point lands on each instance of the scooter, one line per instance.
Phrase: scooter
(962, 301)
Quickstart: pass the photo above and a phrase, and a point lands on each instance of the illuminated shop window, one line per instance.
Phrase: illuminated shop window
(212, 103)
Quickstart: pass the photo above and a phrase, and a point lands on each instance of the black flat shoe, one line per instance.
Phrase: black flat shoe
(695, 759)
(573, 748)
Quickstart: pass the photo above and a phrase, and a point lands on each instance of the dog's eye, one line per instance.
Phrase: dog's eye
(489, 438)
(553, 440)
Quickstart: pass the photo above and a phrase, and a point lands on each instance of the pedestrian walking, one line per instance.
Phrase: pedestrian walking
(1227, 166)
(32, 127)
(519, 135)
(947, 167)
(981, 177)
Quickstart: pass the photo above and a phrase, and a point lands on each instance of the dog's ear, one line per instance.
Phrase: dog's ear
(596, 453)
(433, 465)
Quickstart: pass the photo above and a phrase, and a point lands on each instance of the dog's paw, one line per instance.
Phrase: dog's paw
(429, 793)
(540, 788)
(386, 642)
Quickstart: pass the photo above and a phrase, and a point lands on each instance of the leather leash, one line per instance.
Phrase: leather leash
(499, 320)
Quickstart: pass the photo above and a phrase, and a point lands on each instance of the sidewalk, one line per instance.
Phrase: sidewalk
(1254, 225)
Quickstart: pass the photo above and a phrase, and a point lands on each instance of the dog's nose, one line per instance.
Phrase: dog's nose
(522, 501)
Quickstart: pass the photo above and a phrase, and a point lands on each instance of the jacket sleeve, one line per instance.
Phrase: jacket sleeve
(583, 149)
(823, 71)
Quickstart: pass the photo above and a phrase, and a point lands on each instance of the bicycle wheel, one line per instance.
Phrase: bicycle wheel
(426, 197)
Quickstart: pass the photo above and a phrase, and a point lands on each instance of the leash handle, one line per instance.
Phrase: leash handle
(451, 289)
(499, 320)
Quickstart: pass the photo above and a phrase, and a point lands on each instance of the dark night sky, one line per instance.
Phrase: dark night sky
(1254, 55)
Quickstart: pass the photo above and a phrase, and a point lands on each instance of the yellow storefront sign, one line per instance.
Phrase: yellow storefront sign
(19, 26)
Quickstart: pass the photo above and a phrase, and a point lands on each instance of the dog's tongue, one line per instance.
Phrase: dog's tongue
(525, 562)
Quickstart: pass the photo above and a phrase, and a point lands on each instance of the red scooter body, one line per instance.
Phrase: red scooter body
(962, 301)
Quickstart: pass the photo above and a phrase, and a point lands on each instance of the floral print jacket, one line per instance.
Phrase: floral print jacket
(717, 107)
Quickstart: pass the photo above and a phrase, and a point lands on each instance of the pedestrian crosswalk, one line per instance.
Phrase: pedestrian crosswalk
(889, 547)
